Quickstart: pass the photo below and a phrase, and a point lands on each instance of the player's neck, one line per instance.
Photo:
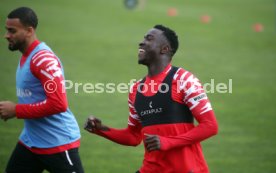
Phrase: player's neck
(28, 43)
(156, 68)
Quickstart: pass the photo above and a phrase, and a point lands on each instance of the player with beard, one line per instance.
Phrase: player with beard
(162, 109)
(50, 138)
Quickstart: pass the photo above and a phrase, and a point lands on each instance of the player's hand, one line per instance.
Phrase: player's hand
(152, 142)
(93, 124)
(7, 110)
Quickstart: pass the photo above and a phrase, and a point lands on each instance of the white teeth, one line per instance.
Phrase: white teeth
(141, 50)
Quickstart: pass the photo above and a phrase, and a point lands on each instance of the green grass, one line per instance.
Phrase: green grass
(97, 42)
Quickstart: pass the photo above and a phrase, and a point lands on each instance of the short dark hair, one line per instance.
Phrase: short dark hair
(26, 16)
(170, 36)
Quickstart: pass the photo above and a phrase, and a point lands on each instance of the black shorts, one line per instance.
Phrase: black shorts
(24, 161)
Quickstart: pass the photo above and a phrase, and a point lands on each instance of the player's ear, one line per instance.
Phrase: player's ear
(30, 30)
(165, 49)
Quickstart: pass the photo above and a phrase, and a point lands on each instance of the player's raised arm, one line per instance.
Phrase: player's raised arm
(130, 136)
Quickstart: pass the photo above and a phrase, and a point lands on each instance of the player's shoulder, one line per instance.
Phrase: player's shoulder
(181, 74)
(42, 56)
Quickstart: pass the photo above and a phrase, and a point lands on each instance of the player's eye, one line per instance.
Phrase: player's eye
(11, 30)
(149, 37)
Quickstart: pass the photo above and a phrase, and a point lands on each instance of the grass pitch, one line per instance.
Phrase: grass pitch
(97, 41)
